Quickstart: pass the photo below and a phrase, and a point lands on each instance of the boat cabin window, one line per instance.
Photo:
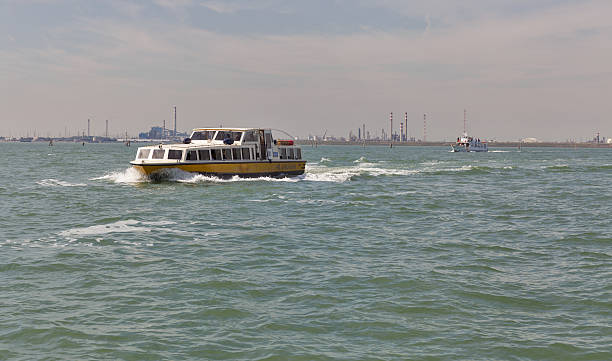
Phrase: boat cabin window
(246, 153)
(283, 153)
(192, 155)
(143, 153)
(222, 135)
(298, 153)
(250, 136)
(204, 154)
(236, 153)
(290, 153)
(158, 153)
(175, 154)
(203, 135)
(215, 154)
(227, 154)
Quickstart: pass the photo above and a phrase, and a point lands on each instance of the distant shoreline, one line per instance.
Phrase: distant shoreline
(446, 144)
(306, 143)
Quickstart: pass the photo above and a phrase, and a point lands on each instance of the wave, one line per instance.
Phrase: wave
(334, 175)
(431, 163)
(558, 168)
(55, 182)
(373, 171)
(200, 178)
(127, 226)
(469, 169)
(314, 173)
(129, 175)
(343, 174)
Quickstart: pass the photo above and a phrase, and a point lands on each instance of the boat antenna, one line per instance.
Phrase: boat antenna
(282, 131)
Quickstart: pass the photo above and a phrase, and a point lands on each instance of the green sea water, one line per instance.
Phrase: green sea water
(409, 253)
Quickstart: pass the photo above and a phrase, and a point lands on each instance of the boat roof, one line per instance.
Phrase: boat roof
(227, 129)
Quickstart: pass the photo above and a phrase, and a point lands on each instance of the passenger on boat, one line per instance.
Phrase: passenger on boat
(228, 139)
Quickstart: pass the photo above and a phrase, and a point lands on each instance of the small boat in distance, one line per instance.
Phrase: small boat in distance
(224, 153)
(469, 144)
(466, 143)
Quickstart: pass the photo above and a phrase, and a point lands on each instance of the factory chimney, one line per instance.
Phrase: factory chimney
(106, 134)
(391, 132)
(406, 122)
(174, 113)
(424, 127)
(88, 121)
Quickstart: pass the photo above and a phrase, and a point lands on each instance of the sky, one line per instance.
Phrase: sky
(521, 68)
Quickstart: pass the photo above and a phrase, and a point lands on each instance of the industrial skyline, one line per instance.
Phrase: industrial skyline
(521, 68)
(394, 134)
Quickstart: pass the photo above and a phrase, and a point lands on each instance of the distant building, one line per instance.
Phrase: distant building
(158, 133)
(154, 133)
(530, 140)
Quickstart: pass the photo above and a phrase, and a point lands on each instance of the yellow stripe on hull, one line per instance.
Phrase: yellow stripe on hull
(246, 169)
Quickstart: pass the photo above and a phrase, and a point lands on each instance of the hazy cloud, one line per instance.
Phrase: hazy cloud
(227, 7)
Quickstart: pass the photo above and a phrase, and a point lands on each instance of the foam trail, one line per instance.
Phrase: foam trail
(127, 226)
(313, 173)
(54, 183)
(119, 226)
(383, 171)
(200, 178)
(326, 174)
(431, 163)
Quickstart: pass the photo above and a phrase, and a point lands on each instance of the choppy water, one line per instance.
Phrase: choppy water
(373, 254)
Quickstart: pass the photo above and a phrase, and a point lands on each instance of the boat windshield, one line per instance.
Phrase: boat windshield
(251, 136)
(143, 153)
(222, 135)
(203, 135)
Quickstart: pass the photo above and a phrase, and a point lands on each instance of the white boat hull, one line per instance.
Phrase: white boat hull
(463, 148)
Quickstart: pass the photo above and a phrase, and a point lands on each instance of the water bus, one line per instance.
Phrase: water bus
(469, 144)
(224, 153)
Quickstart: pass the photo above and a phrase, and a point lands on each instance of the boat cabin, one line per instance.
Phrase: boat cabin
(222, 145)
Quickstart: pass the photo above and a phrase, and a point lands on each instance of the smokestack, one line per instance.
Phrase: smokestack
(364, 133)
(88, 127)
(391, 132)
(406, 122)
(106, 129)
(164, 129)
(175, 120)
(424, 127)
